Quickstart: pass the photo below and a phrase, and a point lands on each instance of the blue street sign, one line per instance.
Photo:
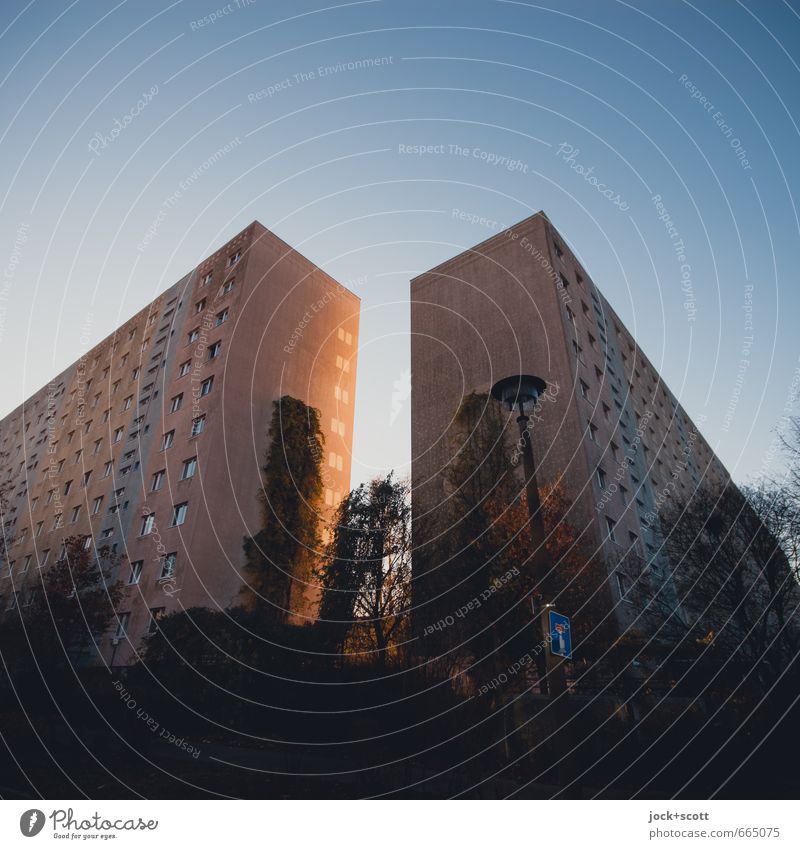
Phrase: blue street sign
(560, 634)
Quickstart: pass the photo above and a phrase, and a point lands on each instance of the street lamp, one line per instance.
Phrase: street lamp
(523, 391)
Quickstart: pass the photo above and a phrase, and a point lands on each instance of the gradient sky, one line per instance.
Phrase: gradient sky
(658, 98)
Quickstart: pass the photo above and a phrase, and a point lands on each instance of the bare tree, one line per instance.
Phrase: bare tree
(366, 578)
(738, 594)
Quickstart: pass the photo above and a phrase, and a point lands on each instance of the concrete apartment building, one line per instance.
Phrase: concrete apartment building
(610, 432)
(153, 442)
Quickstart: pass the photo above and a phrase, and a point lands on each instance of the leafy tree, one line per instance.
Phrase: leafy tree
(63, 611)
(366, 578)
(280, 556)
(475, 572)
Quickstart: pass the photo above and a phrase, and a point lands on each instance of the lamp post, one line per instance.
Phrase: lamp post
(521, 391)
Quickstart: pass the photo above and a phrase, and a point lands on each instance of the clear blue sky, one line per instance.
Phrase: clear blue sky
(697, 103)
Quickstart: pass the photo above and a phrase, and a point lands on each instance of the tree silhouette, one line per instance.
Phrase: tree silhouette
(366, 577)
(280, 557)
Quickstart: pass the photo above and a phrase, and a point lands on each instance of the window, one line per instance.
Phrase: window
(87, 542)
(97, 504)
(167, 439)
(39, 528)
(109, 467)
(67, 487)
(26, 563)
(207, 279)
(147, 524)
(342, 363)
(559, 252)
(156, 613)
(107, 532)
(189, 468)
(179, 514)
(122, 625)
(78, 455)
(200, 305)
(76, 512)
(98, 444)
(158, 480)
(611, 525)
(86, 478)
(234, 258)
(213, 351)
(44, 558)
(118, 434)
(614, 450)
(228, 287)
(115, 387)
(175, 404)
(198, 426)
(335, 461)
(205, 386)
(126, 404)
(622, 586)
(136, 572)
(624, 493)
(584, 387)
(184, 368)
(221, 318)
(601, 479)
(87, 427)
(194, 335)
(592, 432)
(168, 565)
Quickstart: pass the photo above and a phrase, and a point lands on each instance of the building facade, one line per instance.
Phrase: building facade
(153, 442)
(609, 432)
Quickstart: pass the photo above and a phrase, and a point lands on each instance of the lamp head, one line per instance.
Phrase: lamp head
(518, 389)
